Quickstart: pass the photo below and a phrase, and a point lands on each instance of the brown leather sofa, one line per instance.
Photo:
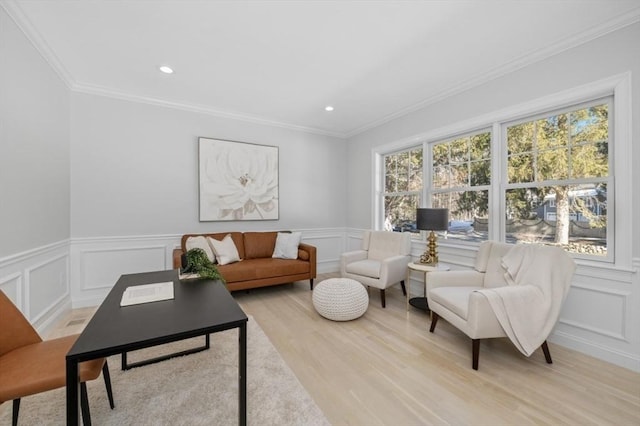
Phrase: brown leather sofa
(257, 268)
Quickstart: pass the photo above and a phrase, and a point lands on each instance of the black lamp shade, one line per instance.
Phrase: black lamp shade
(432, 219)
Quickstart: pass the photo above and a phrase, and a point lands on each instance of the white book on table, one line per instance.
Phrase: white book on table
(147, 293)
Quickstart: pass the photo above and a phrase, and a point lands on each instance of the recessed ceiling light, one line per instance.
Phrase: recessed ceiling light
(165, 69)
(328, 108)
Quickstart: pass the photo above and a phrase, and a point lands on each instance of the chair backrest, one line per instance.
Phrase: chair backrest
(489, 261)
(383, 244)
(15, 329)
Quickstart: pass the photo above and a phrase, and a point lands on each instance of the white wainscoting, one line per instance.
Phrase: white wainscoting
(97, 263)
(37, 281)
(601, 316)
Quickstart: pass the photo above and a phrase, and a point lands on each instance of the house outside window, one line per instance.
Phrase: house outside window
(557, 178)
(460, 181)
(403, 185)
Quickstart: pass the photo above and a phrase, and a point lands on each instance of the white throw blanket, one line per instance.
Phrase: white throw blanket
(539, 278)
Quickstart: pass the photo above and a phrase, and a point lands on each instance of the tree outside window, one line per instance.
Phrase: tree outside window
(403, 185)
(460, 181)
(557, 179)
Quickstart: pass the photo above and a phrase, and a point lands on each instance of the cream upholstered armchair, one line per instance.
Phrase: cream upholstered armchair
(514, 291)
(382, 261)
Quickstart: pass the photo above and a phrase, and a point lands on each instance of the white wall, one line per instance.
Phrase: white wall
(34, 179)
(34, 146)
(134, 186)
(602, 313)
(134, 170)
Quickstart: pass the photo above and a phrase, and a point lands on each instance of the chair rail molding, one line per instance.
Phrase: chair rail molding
(37, 281)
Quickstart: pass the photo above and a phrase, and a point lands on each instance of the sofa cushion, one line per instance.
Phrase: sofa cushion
(456, 299)
(225, 250)
(259, 244)
(303, 254)
(239, 271)
(201, 243)
(367, 268)
(254, 269)
(267, 268)
(287, 245)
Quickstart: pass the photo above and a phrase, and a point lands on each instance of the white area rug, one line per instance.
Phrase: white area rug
(198, 389)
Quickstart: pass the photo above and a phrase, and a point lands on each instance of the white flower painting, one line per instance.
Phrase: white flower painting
(238, 181)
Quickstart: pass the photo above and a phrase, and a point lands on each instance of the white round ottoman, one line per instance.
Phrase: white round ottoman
(340, 299)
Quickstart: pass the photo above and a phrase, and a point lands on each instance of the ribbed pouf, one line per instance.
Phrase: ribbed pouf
(340, 299)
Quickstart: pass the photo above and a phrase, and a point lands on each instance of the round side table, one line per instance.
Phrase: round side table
(421, 302)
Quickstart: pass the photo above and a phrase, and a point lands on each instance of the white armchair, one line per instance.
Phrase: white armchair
(514, 291)
(382, 261)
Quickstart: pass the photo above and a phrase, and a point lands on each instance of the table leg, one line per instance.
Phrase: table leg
(73, 394)
(408, 281)
(242, 375)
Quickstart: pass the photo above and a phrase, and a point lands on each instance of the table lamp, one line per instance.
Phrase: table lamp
(432, 220)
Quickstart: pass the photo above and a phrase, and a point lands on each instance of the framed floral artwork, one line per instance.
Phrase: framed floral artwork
(238, 181)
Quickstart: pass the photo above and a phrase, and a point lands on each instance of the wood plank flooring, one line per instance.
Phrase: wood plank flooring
(385, 368)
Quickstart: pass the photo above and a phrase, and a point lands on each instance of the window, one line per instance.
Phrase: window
(555, 170)
(460, 181)
(402, 189)
(557, 179)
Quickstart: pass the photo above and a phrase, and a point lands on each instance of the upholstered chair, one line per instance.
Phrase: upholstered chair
(514, 291)
(29, 365)
(381, 262)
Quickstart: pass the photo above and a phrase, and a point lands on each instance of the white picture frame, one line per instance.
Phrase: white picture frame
(237, 181)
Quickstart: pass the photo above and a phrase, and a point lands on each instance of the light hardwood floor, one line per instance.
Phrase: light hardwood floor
(385, 368)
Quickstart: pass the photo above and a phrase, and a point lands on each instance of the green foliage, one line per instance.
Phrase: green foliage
(568, 146)
(199, 263)
(402, 184)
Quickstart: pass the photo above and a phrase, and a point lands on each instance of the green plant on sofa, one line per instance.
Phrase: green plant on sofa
(199, 263)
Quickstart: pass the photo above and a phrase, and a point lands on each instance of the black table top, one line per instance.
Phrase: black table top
(199, 307)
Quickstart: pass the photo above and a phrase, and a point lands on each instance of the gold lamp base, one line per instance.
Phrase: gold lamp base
(430, 256)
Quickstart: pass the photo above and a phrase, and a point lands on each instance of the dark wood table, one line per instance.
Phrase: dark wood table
(199, 308)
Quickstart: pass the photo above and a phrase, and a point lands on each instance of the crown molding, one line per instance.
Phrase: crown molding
(17, 15)
(518, 63)
(201, 109)
(35, 38)
(15, 12)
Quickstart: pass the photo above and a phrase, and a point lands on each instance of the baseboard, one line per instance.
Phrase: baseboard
(620, 358)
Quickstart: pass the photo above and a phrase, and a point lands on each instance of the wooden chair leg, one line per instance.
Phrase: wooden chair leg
(84, 405)
(475, 353)
(107, 383)
(16, 409)
(311, 283)
(404, 289)
(547, 354)
(382, 298)
(434, 321)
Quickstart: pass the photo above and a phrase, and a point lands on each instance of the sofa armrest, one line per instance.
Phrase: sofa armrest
(454, 279)
(177, 258)
(350, 257)
(394, 269)
(311, 252)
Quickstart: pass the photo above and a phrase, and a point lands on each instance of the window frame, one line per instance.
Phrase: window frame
(609, 179)
(620, 149)
(430, 191)
(383, 193)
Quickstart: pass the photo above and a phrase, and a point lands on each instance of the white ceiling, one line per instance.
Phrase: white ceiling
(282, 62)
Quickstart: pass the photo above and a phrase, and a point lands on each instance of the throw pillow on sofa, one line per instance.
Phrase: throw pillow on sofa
(287, 245)
(225, 250)
(201, 243)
